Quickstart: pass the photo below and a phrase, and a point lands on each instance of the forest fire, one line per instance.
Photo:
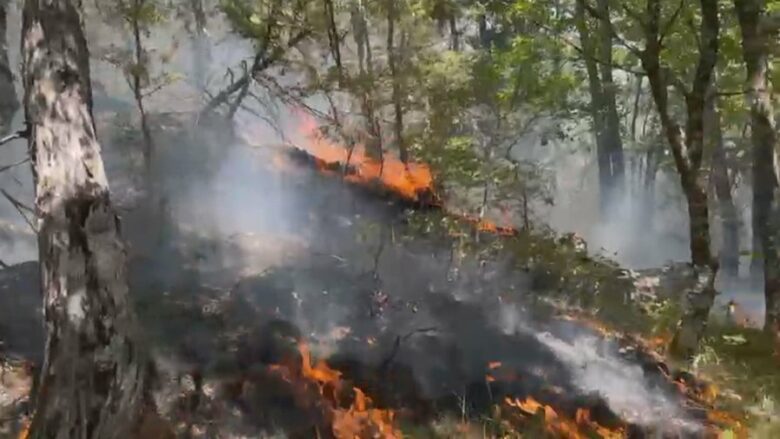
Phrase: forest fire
(407, 179)
(410, 181)
(358, 419)
(579, 428)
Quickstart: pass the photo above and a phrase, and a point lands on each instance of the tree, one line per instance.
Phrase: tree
(276, 27)
(757, 28)
(9, 104)
(713, 134)
(597, 55)
(94, 378)
(687, 145)
(138, 15)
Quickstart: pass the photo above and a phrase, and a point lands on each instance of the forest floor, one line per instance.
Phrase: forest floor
(358, 316)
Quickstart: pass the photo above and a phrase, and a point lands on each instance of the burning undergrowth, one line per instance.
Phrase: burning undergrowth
(322, 309)
(364, 324)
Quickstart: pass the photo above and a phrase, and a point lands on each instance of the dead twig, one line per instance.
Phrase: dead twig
(21, 208)
(13, 165)
(397, 345)
(21, 134)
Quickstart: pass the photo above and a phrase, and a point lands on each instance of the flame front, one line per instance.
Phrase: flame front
(357, 421)
(581, 427)
(406, 179)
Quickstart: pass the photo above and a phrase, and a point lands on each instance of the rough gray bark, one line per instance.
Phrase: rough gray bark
(756, 38)
(9, 103)
(93, 380)
(687, 148)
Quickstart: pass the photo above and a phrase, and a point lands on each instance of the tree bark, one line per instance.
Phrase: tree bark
(94, 377)
(9, 104)
(687, 148)
(729, 251)
(755, 49)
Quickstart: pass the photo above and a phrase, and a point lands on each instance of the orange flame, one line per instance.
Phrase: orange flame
(406, 179)
(359, 420)
(578, 428)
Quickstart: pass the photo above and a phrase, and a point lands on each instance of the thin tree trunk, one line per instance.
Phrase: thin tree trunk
(333, 38)
(596, 100)
(200, 48)
(454, 33)
(729, 252)
(687, 148)
(637, 99)
(613, 143)
(392, 60)
(94, 378)
(9, 103)
(138, 73)
(755, 49)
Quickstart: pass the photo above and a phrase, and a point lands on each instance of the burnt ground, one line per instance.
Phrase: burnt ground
(229, 279)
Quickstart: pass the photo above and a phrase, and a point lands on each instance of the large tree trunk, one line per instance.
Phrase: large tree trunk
(93, 379)
(729, 251)
(687, 148)
(9, 104)
(755, 49)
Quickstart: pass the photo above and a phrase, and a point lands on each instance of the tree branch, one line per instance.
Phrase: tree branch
(670, 23)
(21, 208)
(597, 15)
(13, 165)
(596, 59)
(21, 134)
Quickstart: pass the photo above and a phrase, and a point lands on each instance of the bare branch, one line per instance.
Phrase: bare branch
(638, 17)
(13, 165)
(21, 208)
(670, 23)
(596, 59)
(21, 134)
(597, 15)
